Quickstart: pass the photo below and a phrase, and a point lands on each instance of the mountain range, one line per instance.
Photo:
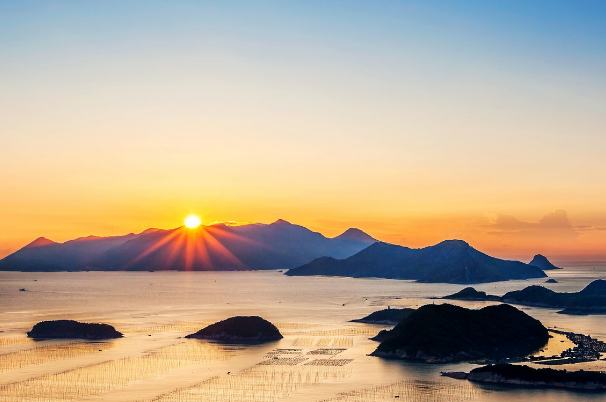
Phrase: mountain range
(279, 245)
(451, 261)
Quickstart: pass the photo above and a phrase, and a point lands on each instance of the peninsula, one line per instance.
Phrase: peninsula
(388, 316)
(510, 374)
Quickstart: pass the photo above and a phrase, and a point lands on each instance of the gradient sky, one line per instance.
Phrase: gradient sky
(415, 121)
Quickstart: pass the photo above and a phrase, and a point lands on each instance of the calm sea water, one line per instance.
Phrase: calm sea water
(322, 357)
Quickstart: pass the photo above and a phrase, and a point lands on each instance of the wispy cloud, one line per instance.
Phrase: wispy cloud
(555, 224)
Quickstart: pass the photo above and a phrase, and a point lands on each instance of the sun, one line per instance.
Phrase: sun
(192, 221)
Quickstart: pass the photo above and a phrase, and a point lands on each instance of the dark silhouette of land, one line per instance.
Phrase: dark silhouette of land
(389, 316)
(279, 245)
(540, 261)
(510, 374)
(472, 294)
(590, 300)
(451, 261)
(240, 329)
(60, 329)
(447, 333)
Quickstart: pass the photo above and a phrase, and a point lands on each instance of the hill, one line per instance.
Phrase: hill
(239, 329)
(447, 333)
(280, 245)
(451, 261)
(590, 300)
(540, 261)
(68, 329)
(390, 316)
(519, 375)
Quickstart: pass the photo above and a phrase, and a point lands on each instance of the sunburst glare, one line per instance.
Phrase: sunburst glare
(192, 221)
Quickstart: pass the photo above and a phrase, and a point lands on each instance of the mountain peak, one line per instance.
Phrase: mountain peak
(597, 287)
(40, 241)
(356, 235)
(454, 243)
(540, 261)
(281, 222)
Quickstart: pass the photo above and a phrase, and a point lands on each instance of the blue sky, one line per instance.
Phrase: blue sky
(429, 111)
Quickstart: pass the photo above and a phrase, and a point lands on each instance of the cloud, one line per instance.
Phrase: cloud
(589, 228)
(555, 224)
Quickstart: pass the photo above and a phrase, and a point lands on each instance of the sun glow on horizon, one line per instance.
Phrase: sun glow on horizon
(192, 221)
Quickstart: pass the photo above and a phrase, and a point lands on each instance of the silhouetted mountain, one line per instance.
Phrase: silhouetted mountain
(39, 242)
(451, 261)
(540, 261)
(240, 329)
(471, 294)
(390, 316)
(525, 376)
(590, 300)
(353, 234)
(74, 255)
(279, 245)
(446, 333)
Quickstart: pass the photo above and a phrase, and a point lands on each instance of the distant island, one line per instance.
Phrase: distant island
(240, 329)
(510, 374)
(446, 333)
(451, 261)
(590, 300)
(217, 247)
(61, 329)
(540, 261)
(388, 316)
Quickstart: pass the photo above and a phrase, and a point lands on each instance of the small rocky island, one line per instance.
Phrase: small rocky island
(470, 293)
(240, 329)
(446, 333)
(388, 316)
(590, 300)
(65, 329)
(511, 374)
(540, 261)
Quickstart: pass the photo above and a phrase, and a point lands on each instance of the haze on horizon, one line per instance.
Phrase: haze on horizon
(413, 121)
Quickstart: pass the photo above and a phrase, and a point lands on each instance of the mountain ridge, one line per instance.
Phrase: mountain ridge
(450, 261)
(278, 245)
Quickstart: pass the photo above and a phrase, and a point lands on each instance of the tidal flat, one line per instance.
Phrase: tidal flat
(322, 357)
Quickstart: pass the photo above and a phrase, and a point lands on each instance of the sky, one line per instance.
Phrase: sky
(415, 121)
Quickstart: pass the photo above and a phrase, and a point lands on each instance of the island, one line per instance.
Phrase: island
(65, 329)
(240, 329)
(446, 333)
(470, 293)
(388, 316)
(510, 374)
(590, 300)
(451, 261)
(540, 261)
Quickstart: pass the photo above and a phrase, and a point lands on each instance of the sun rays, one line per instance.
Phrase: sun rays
(193, 247)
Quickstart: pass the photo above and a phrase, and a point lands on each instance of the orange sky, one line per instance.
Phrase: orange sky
(415, 123)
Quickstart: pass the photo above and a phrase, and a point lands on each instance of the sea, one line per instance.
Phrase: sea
(322, 357)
